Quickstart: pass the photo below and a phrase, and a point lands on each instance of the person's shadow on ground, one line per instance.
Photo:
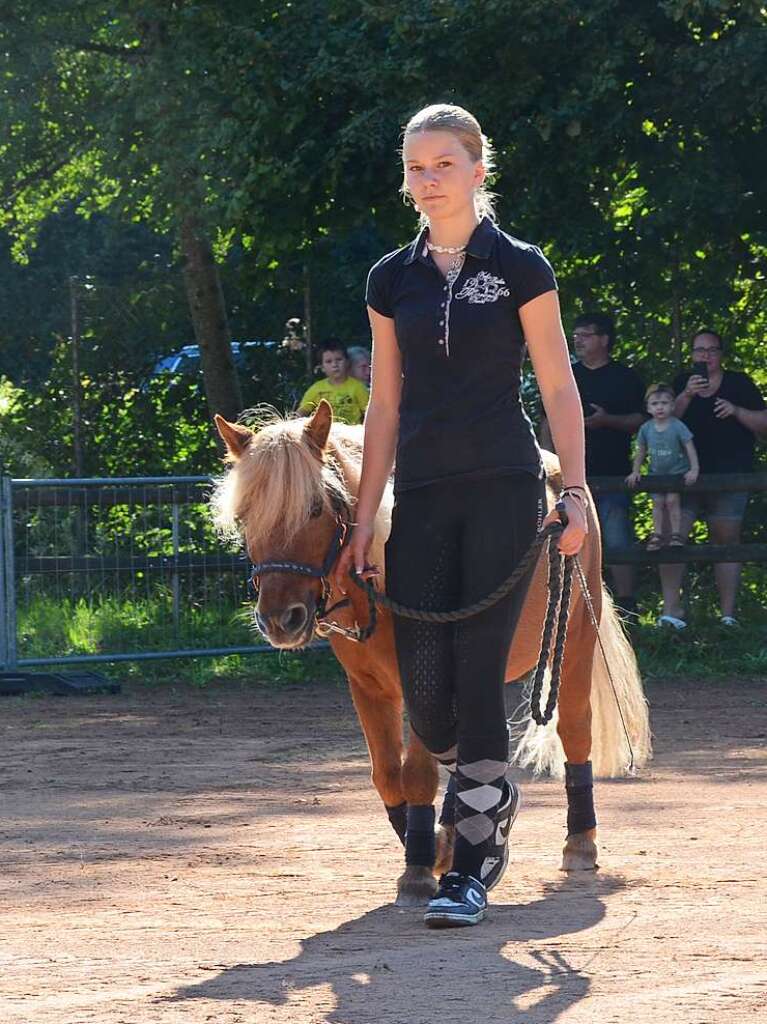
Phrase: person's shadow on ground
(386, 967)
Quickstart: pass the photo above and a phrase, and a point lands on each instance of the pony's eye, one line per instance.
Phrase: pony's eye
(316, 509)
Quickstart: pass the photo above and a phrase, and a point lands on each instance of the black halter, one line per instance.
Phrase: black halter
(302, 568)
(340, 537)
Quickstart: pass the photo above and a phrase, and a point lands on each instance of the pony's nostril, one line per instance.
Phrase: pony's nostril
(261, 623)
(294, 618)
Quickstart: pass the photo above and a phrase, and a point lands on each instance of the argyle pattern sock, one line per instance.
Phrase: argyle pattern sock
(479, 788)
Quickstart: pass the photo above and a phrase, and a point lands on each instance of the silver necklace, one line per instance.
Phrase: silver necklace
(451, 250)
(454, 269)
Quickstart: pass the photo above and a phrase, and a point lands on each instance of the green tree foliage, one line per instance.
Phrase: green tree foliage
(630, 141)
(92, 99)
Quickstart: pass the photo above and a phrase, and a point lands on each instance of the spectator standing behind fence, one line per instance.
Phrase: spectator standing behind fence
(348, 397)
(725, 412)
(612, 396)
(359, 363)
(672, 452)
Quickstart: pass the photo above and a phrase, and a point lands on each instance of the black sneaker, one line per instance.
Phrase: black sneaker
(461, 900)
(495, 864)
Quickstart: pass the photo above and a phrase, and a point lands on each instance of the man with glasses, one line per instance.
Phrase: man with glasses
(613, 409)
(725, 412)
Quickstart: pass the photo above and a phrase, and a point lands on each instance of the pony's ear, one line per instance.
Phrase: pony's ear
(235, 437)
(320, 422)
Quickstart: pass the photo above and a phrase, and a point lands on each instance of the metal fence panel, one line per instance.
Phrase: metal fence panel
(130, 569)
(97, 570)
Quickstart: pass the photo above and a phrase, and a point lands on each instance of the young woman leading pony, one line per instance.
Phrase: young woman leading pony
(450, 315)
(289, 493)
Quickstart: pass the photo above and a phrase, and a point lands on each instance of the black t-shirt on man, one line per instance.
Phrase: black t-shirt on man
(619, 391)
(723, 445)
(461, 346)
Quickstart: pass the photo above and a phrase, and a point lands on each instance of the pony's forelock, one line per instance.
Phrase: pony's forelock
(271, 492)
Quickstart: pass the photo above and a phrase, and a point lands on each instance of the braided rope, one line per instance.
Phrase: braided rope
(557, 611)
(555, 623)
(527, 561)
(552, 609)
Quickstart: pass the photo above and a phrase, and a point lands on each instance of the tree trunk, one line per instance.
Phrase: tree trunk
(676, 311)
(211, 329)
(77, 384)
(308, 324)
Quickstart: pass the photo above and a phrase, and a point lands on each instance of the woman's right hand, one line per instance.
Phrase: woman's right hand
(355, 554)
(694, 385)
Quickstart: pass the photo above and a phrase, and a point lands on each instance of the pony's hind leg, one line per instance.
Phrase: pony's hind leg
(574, 728)
(416, 885)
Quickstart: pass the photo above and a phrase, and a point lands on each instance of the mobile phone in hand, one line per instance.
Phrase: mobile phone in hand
(700, 370)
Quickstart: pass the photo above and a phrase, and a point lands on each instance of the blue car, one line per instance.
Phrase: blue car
(187, 359)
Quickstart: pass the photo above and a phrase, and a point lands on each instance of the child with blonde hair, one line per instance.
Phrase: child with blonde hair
(672, 452)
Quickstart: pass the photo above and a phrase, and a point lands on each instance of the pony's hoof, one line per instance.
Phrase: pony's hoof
(580, 852)
(444, 841)
(415, 886)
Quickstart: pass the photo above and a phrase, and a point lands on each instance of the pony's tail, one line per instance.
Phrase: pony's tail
(540, 749)
(626, 706)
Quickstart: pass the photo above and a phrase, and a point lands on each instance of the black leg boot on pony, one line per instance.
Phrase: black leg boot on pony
(417, 884)
(580, 848)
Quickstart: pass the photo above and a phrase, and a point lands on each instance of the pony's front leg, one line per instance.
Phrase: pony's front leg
(381, 721)
(416, 885)
(574, 728)
(407, 789)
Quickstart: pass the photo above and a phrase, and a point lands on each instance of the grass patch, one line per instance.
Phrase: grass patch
(704, 650)
(108, 623)
(49, 627)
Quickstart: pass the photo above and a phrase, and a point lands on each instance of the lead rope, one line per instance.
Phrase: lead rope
(560, 587)
(555, 626)
(557, 610)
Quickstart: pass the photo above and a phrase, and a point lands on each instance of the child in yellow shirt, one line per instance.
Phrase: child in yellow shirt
(348, 396)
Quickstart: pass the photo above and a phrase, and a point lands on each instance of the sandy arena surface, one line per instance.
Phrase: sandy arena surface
(220, 855)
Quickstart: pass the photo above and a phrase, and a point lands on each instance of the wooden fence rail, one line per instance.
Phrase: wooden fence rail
(706, 484)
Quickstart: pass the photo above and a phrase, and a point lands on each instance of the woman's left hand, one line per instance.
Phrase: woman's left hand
(723, 408)
(571, 541)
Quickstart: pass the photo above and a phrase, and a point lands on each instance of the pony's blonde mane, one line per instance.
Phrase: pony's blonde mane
(273, 489)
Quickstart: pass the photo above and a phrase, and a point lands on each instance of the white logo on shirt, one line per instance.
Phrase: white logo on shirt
(485, 287)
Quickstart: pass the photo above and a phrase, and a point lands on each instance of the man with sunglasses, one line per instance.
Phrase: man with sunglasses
(612, 396)
(726, 413)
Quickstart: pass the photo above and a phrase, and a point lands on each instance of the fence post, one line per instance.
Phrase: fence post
(175, 581)
(8, 654)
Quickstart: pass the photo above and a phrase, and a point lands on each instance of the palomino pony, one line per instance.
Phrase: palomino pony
(289, 493)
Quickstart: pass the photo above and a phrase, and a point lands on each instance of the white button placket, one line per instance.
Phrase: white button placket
(451, 277)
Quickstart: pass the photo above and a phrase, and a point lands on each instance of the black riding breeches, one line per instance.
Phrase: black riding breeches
(451, 544)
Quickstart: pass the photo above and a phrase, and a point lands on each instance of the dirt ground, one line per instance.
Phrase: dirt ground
(220, 855)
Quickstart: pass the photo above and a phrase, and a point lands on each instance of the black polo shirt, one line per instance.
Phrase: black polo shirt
(723, 445)
(462, 348)
(619, 391)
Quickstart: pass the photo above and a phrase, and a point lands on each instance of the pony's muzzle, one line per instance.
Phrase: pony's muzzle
(286, 627)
